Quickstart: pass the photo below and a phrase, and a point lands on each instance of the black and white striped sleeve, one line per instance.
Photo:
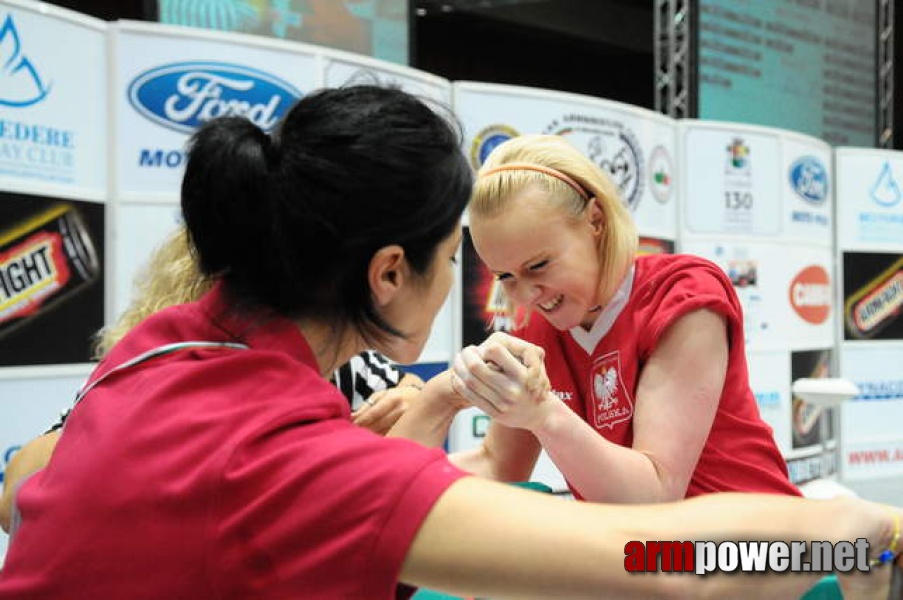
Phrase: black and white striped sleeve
(365, 374)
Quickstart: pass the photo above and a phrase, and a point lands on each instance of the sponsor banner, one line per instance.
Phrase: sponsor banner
(803, 467)
(873, 460)
(650, 245)
(814, 443)
(769, 373)
(148, 225)
(875, 369)
(869, 199)
(871, 420)
(786, 291)
(633, 145)
(53, 103)
(872, 296)
(812, 426)
(28, 407)
(344, 69)
(51, 279)
(169, 82)
(807, 190)
(805, 434)
(732, 179)
(484, 305)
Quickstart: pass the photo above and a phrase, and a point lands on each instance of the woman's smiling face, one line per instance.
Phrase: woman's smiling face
(546, 258)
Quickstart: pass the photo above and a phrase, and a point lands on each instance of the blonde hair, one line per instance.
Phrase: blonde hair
(495, 188)
(170, 277)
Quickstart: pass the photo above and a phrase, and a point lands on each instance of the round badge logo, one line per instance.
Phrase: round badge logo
(487, 140)
(612, 146)
(661, 172)
(810, 294)
(809, 179)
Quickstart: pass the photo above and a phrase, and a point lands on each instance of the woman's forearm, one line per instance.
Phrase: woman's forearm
(430, 416)
(600, 470)
(30, 458)
(584, 545)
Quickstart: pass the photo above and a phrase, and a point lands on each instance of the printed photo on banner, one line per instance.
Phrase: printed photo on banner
(814, 438)
(51, 279)
(650, 245)
(485, 306)
(873, 296)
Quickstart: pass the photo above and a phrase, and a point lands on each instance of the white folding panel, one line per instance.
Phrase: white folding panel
(870, 263)
(757, 202)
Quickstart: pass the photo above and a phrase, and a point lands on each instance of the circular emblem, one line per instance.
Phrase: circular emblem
(487, 140)
(661, 174)
(809, 179)
(613, 147)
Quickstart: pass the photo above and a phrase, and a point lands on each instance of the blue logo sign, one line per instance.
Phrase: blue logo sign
(487, 140)
(885, 191)
(809, 179)
(20, 83)
(182, 96)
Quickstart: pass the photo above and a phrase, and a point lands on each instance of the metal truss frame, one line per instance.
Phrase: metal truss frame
(675, 93)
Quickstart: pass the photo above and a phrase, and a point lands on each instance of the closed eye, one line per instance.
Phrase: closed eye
(502, 276)
(539, 265)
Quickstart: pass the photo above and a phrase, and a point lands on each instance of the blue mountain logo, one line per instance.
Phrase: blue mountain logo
(20, 83)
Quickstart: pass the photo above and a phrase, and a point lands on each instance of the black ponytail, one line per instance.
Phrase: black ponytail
(226, 193)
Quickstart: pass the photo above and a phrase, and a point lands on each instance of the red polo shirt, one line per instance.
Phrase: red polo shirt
(600, 382)
(219, 473)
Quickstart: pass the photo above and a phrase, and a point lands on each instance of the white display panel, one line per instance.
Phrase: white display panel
(870, 260)
(869, 199)
(807, 191)
(787, 294)
(768, 376)
(635, 146)
(53, 101)
(732, 181)
(343, 68)
(758, 202)
(29, 405)
(754, 181)
(142, 228)
(169, 80)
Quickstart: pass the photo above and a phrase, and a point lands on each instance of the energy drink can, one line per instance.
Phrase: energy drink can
(44, 259)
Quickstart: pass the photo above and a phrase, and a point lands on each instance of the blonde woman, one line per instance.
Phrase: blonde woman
(649, 397)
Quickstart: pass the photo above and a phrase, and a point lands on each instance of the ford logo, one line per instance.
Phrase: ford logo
(809, 179)
(183, 96)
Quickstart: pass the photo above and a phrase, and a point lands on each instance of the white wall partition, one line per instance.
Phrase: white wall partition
(53, 177)
(166, 81)
(870, 264)
(757, 202)
(343, 68)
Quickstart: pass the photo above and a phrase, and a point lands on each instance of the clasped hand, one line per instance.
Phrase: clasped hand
(506, 378)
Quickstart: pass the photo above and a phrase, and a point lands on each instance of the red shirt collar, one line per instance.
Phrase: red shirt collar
(258, 328)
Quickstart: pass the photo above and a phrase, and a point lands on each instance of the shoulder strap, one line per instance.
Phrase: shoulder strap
(153, 353)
